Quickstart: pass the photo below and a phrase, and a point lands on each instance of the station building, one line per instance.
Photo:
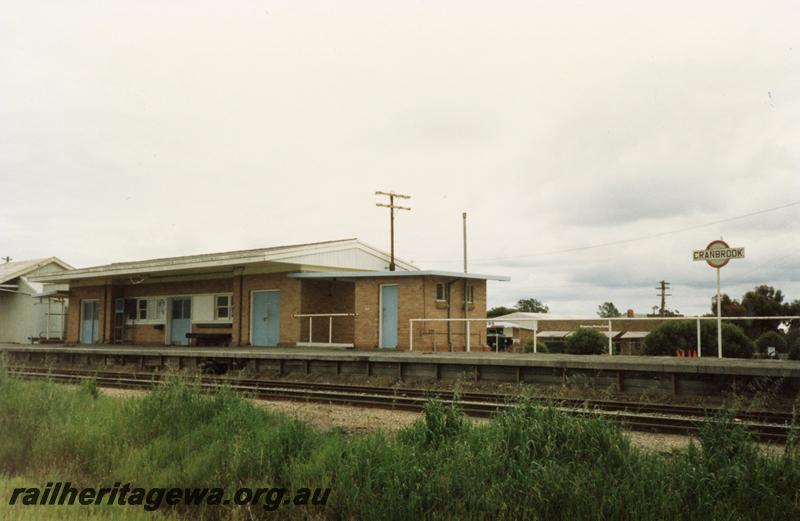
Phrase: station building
(335, 293)
(30, 311)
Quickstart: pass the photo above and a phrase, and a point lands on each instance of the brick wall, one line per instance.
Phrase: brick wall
(323, 296)
(432, 334)
(147, 334)
(152, 334)
(142, 334)
(417, 299)
(290, 304)
(76, 295)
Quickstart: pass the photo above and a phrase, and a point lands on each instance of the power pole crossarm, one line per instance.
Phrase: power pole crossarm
(663, 287)
(392, 207)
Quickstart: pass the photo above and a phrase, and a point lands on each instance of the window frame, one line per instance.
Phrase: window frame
(149, 307)
(228, 307)
(445, 292)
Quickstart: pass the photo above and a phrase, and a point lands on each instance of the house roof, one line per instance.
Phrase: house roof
(14, 269)
(375, 274)
(546, 316)
(635, 334)
(338, 254)
(528, 326)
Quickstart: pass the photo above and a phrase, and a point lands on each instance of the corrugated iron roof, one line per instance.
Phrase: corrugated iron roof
(634, 334)
(373, 274)
(203, 261)
(12, 270)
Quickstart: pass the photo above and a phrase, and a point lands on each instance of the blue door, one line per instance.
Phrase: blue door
(265, 318)
(389, 316)
(180, 321)
(90, 311)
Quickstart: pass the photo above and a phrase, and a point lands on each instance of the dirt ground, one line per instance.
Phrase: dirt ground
(354, 420)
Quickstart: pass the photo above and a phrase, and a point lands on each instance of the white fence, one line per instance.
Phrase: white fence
(330, 317)
(609, 321)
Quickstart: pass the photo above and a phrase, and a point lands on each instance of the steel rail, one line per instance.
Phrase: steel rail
(776, 417)
(473, 404)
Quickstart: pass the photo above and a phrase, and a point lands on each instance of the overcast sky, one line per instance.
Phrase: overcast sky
(131, 130)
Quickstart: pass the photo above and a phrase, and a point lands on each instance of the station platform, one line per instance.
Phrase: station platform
(708, 375)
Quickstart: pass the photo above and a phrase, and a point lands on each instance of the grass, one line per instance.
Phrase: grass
(529, 463)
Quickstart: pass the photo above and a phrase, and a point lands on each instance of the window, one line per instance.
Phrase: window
(442, 292)
(222, 307)
(470, 294)
(150, 308)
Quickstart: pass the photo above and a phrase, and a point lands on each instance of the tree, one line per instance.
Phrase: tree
(794, 350)
(608, 310)
(675, 335)
(500, 311)
(531, 305)
(586, 342)
(730, 307)
(771, 339)
(762, 301)
(793, 309)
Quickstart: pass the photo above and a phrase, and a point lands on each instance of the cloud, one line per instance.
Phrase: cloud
(136, 132)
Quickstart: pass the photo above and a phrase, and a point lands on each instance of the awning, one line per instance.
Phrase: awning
(393, 274)
(634, 334)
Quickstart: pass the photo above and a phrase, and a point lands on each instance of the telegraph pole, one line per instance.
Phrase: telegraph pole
(392, 207)
(664, 287)
(464, 217)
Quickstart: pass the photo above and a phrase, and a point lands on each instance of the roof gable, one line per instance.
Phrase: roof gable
(350, 254)
(47, 265)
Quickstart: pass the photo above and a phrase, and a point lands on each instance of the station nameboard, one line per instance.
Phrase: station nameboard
(717, 254)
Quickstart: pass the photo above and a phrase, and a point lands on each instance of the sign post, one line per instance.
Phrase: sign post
(717, 254)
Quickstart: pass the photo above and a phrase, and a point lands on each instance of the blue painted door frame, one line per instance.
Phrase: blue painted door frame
(388, 316)
(90, 311)
(265, 318)
(180, 320)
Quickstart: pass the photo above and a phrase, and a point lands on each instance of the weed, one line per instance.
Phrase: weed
(529, 462)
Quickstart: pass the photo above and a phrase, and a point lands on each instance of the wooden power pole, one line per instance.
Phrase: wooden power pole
(392, 207)
(663, 286)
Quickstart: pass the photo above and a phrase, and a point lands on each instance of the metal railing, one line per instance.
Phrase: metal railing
(330, 317)
(609, 321)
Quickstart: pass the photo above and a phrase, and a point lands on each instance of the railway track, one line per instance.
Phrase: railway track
(769, 426)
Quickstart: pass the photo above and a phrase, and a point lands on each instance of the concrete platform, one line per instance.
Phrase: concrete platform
(626, 373)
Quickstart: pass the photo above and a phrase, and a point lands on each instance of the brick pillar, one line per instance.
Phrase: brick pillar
(238, 309)
(107, 305)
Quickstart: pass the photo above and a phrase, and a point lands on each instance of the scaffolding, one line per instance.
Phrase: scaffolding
(55, 318)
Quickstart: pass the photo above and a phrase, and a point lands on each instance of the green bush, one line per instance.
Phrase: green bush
(771, 339)
(527, 462)
(674, 335)
(794, 351)
(586, 341)
(541, 347)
